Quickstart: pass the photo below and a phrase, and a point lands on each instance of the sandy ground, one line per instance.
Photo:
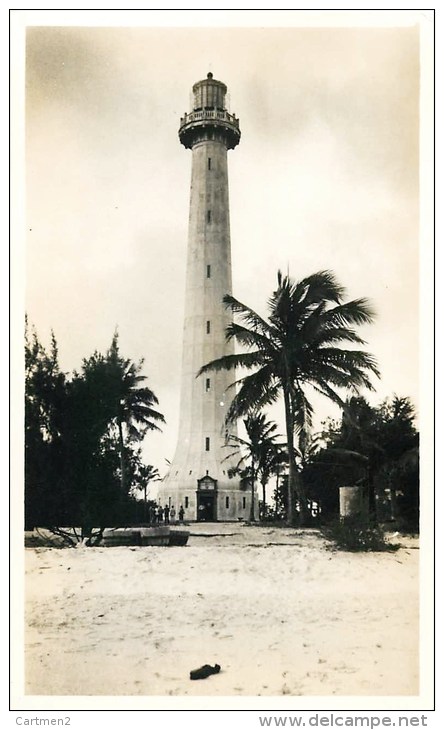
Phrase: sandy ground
(278, 611)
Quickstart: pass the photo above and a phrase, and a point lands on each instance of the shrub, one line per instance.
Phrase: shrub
(356, 535)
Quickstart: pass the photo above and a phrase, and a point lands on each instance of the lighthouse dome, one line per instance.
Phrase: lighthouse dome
(209, 94)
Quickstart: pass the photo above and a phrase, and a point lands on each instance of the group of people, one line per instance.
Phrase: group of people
(165, 515)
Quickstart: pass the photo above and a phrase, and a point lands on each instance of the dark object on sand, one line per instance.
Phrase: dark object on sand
(144, 536)
(204, 672)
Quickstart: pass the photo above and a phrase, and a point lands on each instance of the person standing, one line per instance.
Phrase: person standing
(160, 514)
(166, 513)
(172, 515)
(181, 513)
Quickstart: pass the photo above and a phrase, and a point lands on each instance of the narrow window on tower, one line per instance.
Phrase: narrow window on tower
(186, 502)
(207, 443)
(208, 216)
(208, 326)
(209, 163)
(208, 271)
(227, 502)
(244, 502)
(207, 384)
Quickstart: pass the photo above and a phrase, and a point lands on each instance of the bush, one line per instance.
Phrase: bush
(356, 535)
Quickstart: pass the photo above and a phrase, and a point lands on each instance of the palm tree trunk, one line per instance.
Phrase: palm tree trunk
(393, 498)
(291, 459)
(295, 486)
(393, 503)
(263, 500)
(122, 461)
(372, 509)
(277, 492)
(303, 501)
(253, 479)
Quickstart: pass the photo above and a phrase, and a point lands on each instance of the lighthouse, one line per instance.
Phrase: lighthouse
(201, 479)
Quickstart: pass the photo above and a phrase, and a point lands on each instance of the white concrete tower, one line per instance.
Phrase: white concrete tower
(198, 479)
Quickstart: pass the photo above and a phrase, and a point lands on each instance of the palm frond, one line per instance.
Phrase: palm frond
(247, 315)
(302, 409)
(346, 359)
(256, 391)
(142, 395)
(247, 337)
(322, 286)
(348, 452)
(325, 389)
(231, 362)
(355, 312)
(292, 299)
(316, 332)
(339, 375)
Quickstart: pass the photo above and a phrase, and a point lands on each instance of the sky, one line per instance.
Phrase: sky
(326, 176)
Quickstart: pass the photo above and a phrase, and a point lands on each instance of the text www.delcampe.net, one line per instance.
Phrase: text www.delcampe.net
(330, 720)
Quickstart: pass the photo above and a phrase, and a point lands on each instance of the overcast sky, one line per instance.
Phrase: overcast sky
(325, 177)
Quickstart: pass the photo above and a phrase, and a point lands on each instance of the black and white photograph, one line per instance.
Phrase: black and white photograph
(222, 237)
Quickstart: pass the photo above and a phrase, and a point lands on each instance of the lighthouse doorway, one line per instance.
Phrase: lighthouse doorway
(207, 499)
(206, 507)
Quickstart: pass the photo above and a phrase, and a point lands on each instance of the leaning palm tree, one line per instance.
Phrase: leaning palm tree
(133, 404)
(302, 346)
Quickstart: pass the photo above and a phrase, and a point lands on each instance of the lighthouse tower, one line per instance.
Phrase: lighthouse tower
(199, 479)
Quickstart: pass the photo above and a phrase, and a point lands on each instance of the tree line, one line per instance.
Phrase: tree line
(82, 438)
(83, 431)
(310, 344)
(377, 449)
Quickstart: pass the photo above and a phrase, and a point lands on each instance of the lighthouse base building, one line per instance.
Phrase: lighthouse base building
(202, 479)
(209, 502)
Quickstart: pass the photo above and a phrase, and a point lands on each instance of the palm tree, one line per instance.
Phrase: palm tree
(271, 458)
(279, 467)
(133, 404)
(301, 346)
(146, 474)
(260, 434)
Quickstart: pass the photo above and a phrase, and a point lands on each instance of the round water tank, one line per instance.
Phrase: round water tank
(350, 501)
